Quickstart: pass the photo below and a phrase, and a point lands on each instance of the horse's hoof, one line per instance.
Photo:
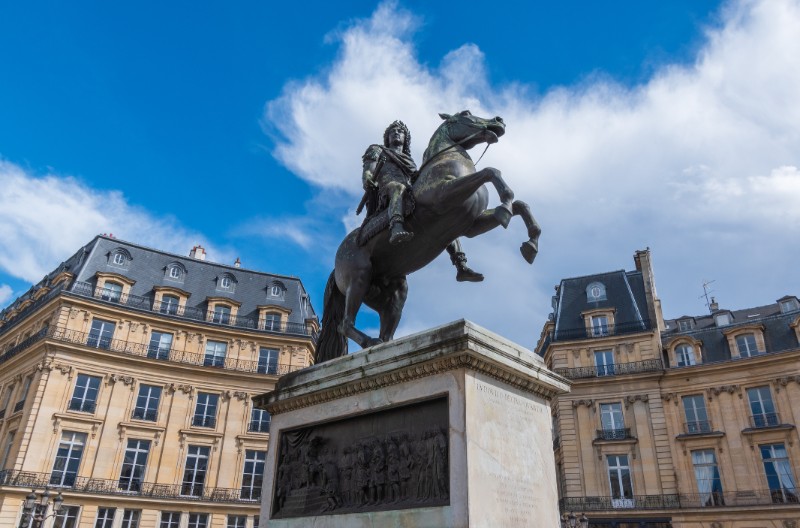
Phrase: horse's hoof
(503, 214)
(529, 251)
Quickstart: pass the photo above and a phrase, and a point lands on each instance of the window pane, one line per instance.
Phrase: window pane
(268, 360)
(170, 520)
(84, 396)
(215, 354)
(133, 465)
(194, 474)
(68, 459)
(147, 403)
(160, 345)
(130, 518)
(100, 334)
(205, 411)
(105, 517)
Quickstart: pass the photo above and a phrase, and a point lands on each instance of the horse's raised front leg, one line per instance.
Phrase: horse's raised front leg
(458, 190)
(488, 220)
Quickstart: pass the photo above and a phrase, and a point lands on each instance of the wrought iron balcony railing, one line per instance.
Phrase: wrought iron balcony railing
(617, 369)
(27, 479)
(764, 420)
(258, 427)
(142, 350)
(614, 434)
(18, 318)
(681, 500)
(148, 415)
(568, 334)
(698, 427)
(85, 289)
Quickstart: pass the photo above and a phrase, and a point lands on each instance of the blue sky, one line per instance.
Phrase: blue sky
(672, 125)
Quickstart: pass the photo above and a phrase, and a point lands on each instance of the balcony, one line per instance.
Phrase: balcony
(681, 501)
(617, 369)
(204, 421)
(27, 479)
(699, 427)
(258, 427)
(84, 289)
(614, 434)
(148, 415)
(765, 420)
(143, 350)
(570, 334)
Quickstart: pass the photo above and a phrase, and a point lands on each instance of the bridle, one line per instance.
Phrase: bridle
(483, 128)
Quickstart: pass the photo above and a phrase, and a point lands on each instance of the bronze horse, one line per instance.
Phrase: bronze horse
(451, 202)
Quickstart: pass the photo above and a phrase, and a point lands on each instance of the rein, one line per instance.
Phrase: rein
(454, 145)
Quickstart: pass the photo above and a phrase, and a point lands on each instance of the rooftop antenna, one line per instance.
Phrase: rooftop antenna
(707, 292)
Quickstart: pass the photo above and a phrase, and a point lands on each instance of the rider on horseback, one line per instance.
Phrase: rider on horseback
(389, 172)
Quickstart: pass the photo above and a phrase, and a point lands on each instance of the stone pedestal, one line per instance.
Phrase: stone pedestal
(446, 428)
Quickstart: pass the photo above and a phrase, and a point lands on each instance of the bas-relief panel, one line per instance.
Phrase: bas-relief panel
(387, 460)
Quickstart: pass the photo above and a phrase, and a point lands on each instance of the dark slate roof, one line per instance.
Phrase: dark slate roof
(624, 293)
(148, 267)
(778, 335)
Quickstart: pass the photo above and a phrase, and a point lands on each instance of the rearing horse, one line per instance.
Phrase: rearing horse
(451, 202)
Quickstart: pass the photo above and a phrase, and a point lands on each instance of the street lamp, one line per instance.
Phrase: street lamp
(33, 514)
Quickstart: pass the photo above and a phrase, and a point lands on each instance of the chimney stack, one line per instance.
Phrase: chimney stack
(238, 263)
(714, 305)
(198, 252)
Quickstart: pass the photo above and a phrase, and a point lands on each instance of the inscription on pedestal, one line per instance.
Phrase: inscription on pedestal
(386, 460)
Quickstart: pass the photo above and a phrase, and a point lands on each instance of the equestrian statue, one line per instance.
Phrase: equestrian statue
(412, 216)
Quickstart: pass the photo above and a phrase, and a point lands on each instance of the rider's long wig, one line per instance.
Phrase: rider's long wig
(402, 126)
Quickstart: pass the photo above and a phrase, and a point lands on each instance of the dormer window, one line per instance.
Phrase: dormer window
(685, 351)
(595, 291)
(175, 272)
(746, 345)
(599, 325)
(119, 257)
(226, 282)
(276, 290)
(684, 325)
(222, 314)
(684, 355)
(723, 319)
(111, 291)
(789, 304)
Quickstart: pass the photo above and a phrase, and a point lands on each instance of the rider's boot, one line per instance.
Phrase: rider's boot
(464, 273)
(398, 231)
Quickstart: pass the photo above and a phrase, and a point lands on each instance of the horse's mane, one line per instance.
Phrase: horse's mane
(438, 134)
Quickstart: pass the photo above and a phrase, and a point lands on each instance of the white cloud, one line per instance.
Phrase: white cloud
(699, 162)
(5, 294)
(44, 219)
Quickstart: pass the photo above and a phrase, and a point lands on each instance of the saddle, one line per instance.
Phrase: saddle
(377, 222)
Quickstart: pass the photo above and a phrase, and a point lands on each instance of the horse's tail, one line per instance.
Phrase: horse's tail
(331, 343)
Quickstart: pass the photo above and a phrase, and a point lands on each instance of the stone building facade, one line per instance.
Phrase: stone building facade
(126, 378)
(673, 423)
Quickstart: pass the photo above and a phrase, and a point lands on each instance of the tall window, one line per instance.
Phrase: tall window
(215, 354)
(205, 411)
(169, 304)
(147, 403)
(779, 473)
(619, 477)
(761, 407)
(160, 345)
(259, 421)
(7, 449)
(272, 321)
(222, 314)
(684, 355)
(111, 291)
(253, 474)
(746, 344)
(67, 517)
(26, 387)
(599, 325)
(604, 361)
(130, 518)
(105, 517)
(612, 421)
(68, 459)
(134, 464)
(268, 360)
(236, 521)
(198, 520)
(7, 398)
(709, 485)
(170, 520)
(84, 397)
(194, 474)
(100, 334)
(696, 416)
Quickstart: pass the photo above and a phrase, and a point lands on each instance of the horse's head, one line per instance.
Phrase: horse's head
(468, 130)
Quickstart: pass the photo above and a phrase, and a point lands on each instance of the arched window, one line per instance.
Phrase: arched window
(276, 289)
(175, 271)
(684, 355)
(746, 344)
